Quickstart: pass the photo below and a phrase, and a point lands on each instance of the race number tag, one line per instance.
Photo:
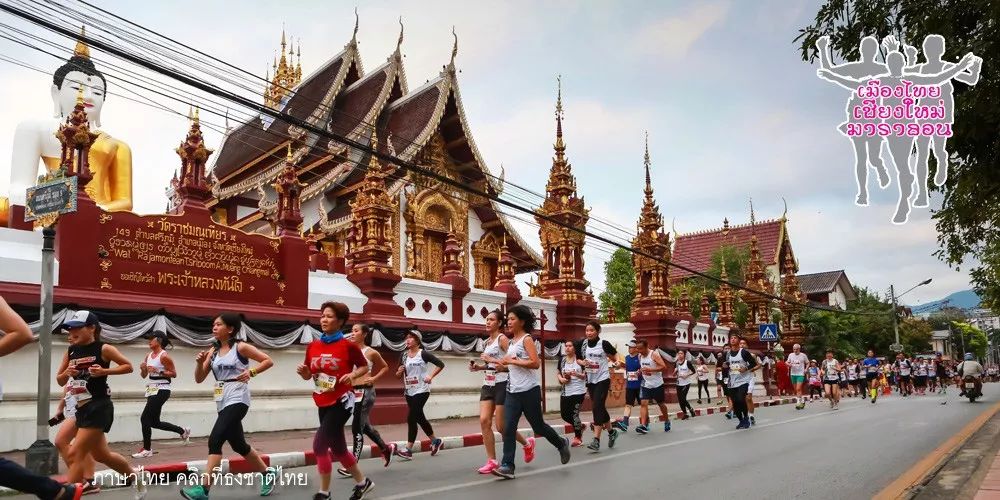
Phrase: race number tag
(412, 381)
(152, 389)
(324, 383)
(78, 388)
(632, 376)
(359, 394)
(218, 391)
(490, 378)
(593, 368)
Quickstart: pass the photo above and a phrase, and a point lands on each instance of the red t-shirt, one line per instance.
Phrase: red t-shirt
(335, 359)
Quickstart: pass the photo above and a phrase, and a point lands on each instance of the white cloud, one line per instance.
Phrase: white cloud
(673, 36)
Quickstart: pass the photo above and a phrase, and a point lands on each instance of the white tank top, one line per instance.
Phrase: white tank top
(596, 355)
(652, 380)
(492, 350)
(576, 386)
(683, 372)
(155, 368)
(744, 377)
(416, 370)
(521, 379)
(830, 369)
(852, 372)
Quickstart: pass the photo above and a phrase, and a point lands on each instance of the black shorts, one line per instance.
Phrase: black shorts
(920, 380)
(870, 376)
(496, 393)
(904, 379)
(831, 382)
(96, 414)
(843, 383)
(631, 396)
(655, 394)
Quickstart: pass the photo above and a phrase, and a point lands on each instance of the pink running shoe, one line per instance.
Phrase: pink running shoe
(489, 467)
(529, 450)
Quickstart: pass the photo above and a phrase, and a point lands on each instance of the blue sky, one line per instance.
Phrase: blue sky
(731, 110)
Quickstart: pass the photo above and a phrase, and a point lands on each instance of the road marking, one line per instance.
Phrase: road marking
(578, 463)
(916, 474)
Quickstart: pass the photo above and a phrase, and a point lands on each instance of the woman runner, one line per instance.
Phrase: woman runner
(364, 399)
(702, 370)
(228, 360)
(523, 393)
(742, 365)
(574, 382)
(417, 382)
(718, 380)
(598, 356)
(66, 413)
(815, 383)
(333, 362)
(160, 369)
(85, 367)
(685, 371)
(831, 379)
(493, 393)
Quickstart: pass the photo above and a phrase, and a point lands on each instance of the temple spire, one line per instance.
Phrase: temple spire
(649, 184)
(560, 146)
(82, 50)
(357, 22)
(399, 41)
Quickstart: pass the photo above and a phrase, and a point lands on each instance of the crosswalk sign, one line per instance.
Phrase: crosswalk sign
(768, 332)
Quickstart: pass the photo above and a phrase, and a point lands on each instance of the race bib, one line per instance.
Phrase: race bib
(490, 378)
(592, 369)
(152, 389)
(218, 391)
(78, 388)
(359, 394)
(324, 383)
(632, 376)
(412, 381)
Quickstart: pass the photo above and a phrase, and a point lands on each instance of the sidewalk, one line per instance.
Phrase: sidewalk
(293, 448)
(989, 489)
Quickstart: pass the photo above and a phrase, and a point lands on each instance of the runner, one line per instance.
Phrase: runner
(574, 382)
(903, 367)
(413, 370)
(876, 384)
(718, 381)
(725, 387)
(753, 380)
(66, 413)
(943, 374)
(742, 365)
(843, 380)
(685, 372)
(870, 366)
(228, 360)
(920, 376)
(86, 366)
(854, 377)
(598, 356)
(815, 382)
(332, 363)
(702, 369)
(797, 362)
(652, 367)
(364, 399)
(831, 379)
(523, 394)
(633, 381)
(932, 375)
(493, 393)
(160, 369)
(15, 334)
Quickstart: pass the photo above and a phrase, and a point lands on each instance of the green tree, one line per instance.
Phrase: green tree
(940, 320)
(967, 227)
(619, 285)
(975, 339)
(915, 335)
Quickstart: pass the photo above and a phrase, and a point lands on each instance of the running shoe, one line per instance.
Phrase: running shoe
(361, 489)
(388, 452)
(595, 445)
(143, 453)
(343, 472)
(268, 482)
(684, 416)
(140, 485)
(641, 429)
(436, 446)
(529, 450)
(504, 471)
(612, 437)
(321, 496)
(729, 415)
(489, 467)
(666, 426)
(72, 491)
(196, 492)
(576, 442)
(90, 488)
(753, 421)
(186, 435)
(620, 425)
(403, 452)
(564, 452)
(744, 424)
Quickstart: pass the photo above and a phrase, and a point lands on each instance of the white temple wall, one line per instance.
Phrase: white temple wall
(477, 301)
(324, 286)
(21, 256)
(420, 292)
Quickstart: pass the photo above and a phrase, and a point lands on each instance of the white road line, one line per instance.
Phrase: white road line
(578, 463)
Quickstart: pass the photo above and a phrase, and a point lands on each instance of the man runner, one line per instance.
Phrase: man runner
(871, 368)
(742, 365)
(797, 362)
(633, 382)
(651, 366)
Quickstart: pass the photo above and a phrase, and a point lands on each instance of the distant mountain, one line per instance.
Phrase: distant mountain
(966, 299)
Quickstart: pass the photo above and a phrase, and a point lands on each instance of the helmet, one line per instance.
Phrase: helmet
(968, 356)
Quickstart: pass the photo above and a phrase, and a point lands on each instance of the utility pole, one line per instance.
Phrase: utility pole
(42, 457)
(895, 310)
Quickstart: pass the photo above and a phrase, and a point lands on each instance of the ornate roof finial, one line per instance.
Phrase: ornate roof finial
(649, 184)
(373, 143)
(673, 227)
(753, 221)
(82, 50)
(784, 215)
(357, 22)
(399, 42)
(288, 155)
(454, 48)
(560, 146)
(283, 38)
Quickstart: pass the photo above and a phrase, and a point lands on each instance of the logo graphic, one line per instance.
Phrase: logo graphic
(906, 105)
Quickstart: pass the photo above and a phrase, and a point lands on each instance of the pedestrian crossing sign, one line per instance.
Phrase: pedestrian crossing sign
(768, 332)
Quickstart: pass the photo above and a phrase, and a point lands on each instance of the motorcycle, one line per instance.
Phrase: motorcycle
(971, 391)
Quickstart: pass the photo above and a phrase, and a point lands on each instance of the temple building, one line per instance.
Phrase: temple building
(426, 125)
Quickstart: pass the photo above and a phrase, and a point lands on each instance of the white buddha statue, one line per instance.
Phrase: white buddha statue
(110, 159)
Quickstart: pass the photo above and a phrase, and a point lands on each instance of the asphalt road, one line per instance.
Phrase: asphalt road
(852, 452)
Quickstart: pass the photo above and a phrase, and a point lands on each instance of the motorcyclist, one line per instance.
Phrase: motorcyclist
(971, 368)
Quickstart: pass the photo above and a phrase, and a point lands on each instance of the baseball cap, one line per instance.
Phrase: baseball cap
(80, 318)
(417, 334)
(631, 343)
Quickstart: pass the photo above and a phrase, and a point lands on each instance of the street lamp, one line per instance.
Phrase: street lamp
(895, 320)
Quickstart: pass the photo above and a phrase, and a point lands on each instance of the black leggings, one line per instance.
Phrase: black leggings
(739, 396)
(229, 428)
(682, 398)
(329, 436)
(569, 407)
(815, 390)
(599, 400)
(16, 477)
(151, 418)
(362, 426)
(416, 416)
(528, 403)
(703, 384)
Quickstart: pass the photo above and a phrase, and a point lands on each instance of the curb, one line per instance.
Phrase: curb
(109, 479)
